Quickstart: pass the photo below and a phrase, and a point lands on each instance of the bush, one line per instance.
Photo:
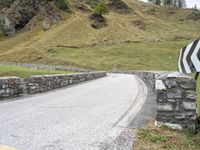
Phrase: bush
(101, 8)
(62, 4)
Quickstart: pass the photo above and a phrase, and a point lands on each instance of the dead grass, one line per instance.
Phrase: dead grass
(152, 138)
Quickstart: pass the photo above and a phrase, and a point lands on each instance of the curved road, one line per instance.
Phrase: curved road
(89, 116)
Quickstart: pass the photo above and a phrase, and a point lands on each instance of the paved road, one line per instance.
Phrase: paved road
(89, 116)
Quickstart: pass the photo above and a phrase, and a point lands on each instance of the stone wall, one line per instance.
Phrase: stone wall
(176, 97)
(11, 87)
(176, 100)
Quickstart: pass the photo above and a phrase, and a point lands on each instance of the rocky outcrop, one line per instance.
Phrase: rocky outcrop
(20, 12)
(119, 6)
(98, 21)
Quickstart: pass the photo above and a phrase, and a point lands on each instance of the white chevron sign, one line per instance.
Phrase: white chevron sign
(189, 58)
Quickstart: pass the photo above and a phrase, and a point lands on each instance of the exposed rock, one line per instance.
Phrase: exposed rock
(140, 24)
(46, 25)
(119, 6)
(20, 12)
(98, 21)
(194, 15)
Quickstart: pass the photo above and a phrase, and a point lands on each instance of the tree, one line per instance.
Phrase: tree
(167, 2)
(195, 6)
(181, 3)
(157, 2)
(101, 8)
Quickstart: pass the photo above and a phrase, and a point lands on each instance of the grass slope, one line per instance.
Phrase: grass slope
(150, 33)
(26, 72)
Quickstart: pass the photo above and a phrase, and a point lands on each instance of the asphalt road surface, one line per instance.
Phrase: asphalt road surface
(89, 116)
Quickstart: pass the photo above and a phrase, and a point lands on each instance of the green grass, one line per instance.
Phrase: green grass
(163, 138)
(126, 56)
(26, 72)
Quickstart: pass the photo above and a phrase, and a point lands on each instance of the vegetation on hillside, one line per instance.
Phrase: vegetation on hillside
(26, 72)
(153, 138)
(132, 36)
(101, 8)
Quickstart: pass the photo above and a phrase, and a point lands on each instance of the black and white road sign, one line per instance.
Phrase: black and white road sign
(189, 58)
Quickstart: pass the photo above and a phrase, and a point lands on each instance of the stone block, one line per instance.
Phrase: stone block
(170, 125)
(164, 107)
(188, 84)
(159, 85)
(174, 93)
(191, 95)
(189, 105)
(171, 83)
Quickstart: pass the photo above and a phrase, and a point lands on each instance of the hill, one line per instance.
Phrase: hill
(145, 37)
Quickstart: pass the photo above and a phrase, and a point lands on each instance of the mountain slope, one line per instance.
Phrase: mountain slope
(147, 33)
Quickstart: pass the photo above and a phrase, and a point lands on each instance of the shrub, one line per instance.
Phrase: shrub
(62, 4)
(101, 8)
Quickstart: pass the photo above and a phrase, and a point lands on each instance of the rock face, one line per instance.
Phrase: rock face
(119, 6)
(98, 21)
(20, 12)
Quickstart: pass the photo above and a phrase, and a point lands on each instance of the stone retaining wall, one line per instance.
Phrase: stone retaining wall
(11, 87)
(176, 97)
(176, 101)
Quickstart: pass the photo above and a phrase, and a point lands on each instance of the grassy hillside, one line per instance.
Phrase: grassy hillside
(26, 72)
(147, 38)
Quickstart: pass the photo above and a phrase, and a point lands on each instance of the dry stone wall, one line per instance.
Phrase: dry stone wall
(11, 87)
(176, 97)
(176, 100)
